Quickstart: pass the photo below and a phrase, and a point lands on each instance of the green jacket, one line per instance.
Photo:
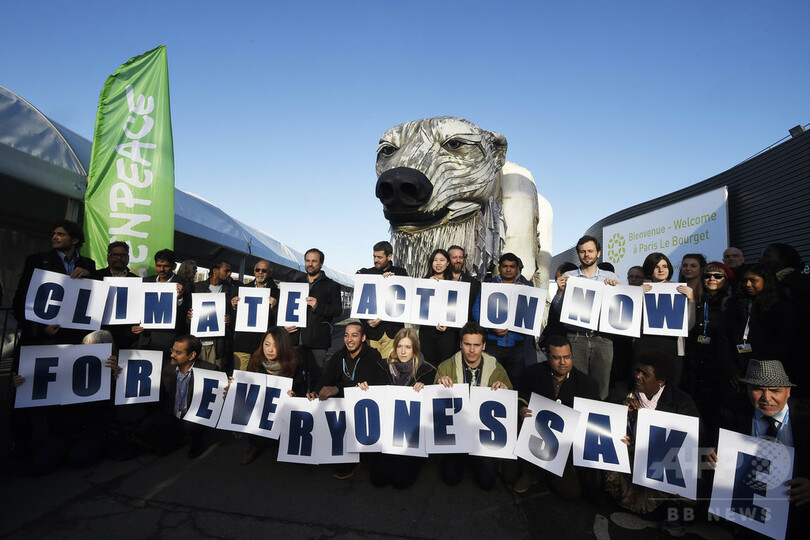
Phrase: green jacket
(491, 370)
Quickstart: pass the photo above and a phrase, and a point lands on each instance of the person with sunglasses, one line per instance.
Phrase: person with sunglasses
(244, 343)
(703, 374)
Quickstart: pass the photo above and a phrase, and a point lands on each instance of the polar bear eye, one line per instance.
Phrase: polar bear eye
(387, 150)
(453, 144)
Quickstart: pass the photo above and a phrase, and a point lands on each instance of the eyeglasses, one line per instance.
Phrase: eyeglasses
(122, 255)
(259, 271)
(718, 277)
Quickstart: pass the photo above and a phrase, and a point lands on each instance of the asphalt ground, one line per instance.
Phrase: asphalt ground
(215, 496)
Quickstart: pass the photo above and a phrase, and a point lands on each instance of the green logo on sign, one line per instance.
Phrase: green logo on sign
(616, 248)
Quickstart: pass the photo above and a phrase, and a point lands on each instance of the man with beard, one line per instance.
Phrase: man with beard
(161, 340)
(64, 258)
(558, 380)
(217, 350)
(244, 343)
(323, 304)
(66, 239)
(164, 430)
(593, 351)
(117, 261)
(379, 333)
(473, 366)
(356, 364)
(513, 350)
(457, 259)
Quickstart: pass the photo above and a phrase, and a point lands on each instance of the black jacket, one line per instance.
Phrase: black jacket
(34, 333)
(537, 379)
(121, 333)
(318, 332)
(388, 328)
(247, 342)
(161, 340)
(168, 383)
(344, 372)
(799, 420)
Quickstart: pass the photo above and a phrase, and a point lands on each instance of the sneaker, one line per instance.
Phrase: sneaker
(251, 455)
(523, 483)
(344, 472)
(674, 528)
(631, 521)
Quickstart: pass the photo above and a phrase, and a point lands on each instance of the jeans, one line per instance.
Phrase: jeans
(593, 354)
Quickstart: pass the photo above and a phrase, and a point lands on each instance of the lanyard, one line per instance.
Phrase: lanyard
(351, 378)
(778, 431)
(180, 382)
(705, 317)
(747, 324)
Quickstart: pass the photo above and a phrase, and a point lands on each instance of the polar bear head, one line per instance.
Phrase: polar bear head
(436, 170)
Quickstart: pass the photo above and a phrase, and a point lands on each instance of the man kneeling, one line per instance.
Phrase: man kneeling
(473, 366)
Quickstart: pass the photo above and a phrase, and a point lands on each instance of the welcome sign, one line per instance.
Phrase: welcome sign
(696, 225)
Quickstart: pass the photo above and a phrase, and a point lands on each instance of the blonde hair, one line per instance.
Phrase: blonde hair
(402, 334)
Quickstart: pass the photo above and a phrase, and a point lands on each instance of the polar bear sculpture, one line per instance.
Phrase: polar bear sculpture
(445, 181)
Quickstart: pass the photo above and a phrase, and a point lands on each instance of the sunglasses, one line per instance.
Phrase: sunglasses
(715, 276)
(259, 271)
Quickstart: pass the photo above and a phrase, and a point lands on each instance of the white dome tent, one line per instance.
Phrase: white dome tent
(43, 168)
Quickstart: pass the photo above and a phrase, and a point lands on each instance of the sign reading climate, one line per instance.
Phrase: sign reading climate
(696, 225)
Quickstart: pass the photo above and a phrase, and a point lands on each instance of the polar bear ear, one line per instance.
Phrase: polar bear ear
(499, 145)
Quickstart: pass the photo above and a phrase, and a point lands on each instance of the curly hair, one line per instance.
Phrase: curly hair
(663, 364)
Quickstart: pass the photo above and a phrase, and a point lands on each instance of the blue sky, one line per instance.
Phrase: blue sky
(277, 107)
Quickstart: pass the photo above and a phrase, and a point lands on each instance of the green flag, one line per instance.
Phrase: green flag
(130, 187)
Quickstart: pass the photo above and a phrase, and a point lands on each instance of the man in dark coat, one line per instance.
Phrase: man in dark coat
(774, 415)
(164, 430)
(380, 334)
(352, 365)
(117, 266)
(458, 259)
(218, 350)
(64, 258)
(356, 364)
(161, 340)
(323, 304)
(556, 379)
(244, 343)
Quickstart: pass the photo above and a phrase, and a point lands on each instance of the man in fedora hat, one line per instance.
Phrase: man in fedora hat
(777, 417)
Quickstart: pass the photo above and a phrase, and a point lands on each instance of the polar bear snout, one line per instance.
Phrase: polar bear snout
(402, 191)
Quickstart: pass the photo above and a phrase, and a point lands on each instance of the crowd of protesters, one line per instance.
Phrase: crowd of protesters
(739, 364)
